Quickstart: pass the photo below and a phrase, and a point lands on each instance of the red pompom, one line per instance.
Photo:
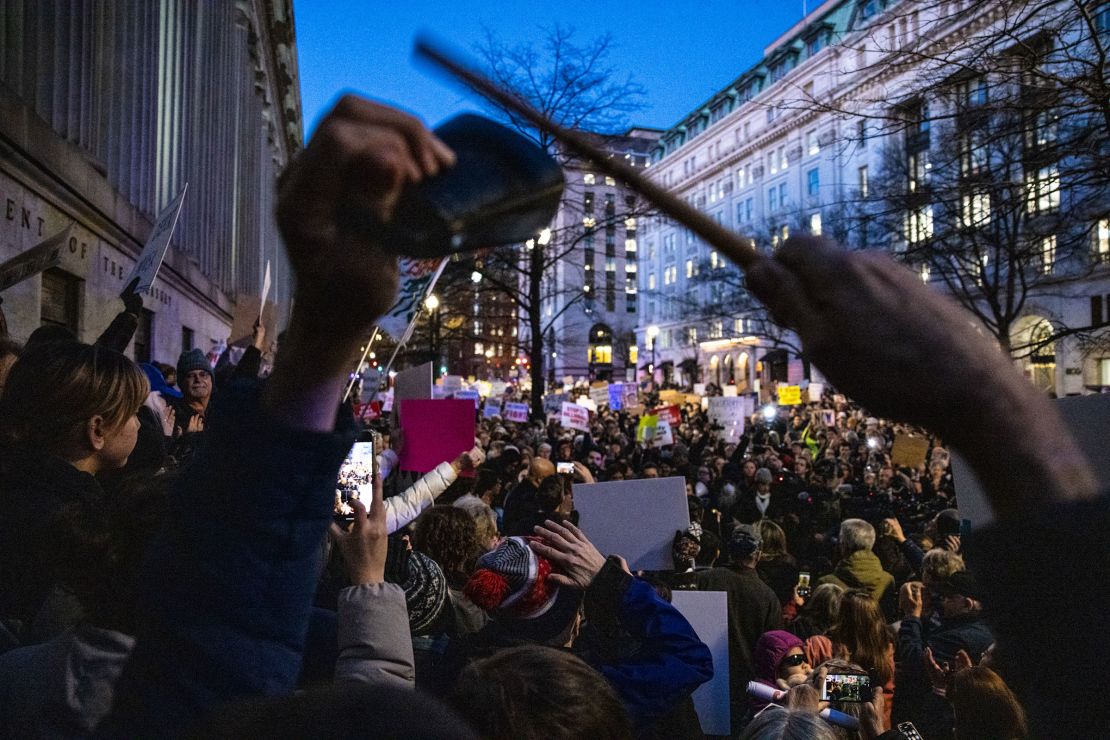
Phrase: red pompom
(538, 595)
(486, 589)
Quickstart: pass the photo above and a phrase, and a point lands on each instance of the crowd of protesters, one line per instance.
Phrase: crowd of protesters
(173, 564)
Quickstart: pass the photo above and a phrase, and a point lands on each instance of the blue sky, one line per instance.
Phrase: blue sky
(680, 51)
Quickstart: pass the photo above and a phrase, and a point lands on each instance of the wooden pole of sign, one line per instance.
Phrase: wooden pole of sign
(740, 249)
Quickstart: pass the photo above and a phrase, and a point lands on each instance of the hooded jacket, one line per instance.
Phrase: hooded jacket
(863, 569)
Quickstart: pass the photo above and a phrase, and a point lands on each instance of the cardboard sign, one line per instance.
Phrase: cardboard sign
(616, 396)
(599, 393)
(154, 252)
(790, 395)
(707, 613)
(729, 391)
(39, 258)
(669, 414)
(699, 389)
(248, 308)
(517, 412)
(663, 435)
(415, 383)
(573, 416)
(815, 391)
(435, 431)
(908, 452)
(729, 413)
(493, 408)
(672, 396)
(636, 519)
(469, 395)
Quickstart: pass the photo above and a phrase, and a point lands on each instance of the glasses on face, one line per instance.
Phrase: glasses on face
(794, 660)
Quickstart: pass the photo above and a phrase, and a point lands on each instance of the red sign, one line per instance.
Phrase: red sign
(670, 414)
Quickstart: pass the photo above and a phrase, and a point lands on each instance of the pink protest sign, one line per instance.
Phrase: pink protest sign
(435, 431)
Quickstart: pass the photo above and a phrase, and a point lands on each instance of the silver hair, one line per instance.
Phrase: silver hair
(856, 534)
(775, 723)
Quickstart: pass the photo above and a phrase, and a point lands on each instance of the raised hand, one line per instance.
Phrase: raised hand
(365, 546)
(575, 557)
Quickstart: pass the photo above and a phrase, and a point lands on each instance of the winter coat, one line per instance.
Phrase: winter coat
(374, 644)
(862, 569)
(402, 509)
(34, 486)
(61, 688)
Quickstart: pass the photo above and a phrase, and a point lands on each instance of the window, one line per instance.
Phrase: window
(741, 177)
(973, 160)
(861, 133)
(668, 247)
(773, 199)
(784, 199)
(589, 178)
(813, 146)
(813, 182)
(919, 225)
(975, 209)
(186, 338)
(975, 92)
(716, 329)
(816, 43)
(1045, 128)
(691, 337)
(919, 168)
(783, 161)
(1048, 254)
(864, 182)
(479, 349)
(144, 335)
(773, 163)
(1102, 19)
(1042, 188)
(869, 9)
(1102, 239)
(610, 181)
(651, 281)
(714, 259)
(691, 268)
(59, 299)
(1097, 315)
(815, 224)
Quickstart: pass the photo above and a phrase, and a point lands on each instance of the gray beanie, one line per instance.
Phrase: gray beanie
(744, 541)
(191, 359)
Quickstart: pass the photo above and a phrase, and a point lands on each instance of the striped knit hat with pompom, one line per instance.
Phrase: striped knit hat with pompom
(512, 579)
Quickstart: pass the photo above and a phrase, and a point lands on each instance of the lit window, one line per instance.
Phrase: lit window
(773, 163)
(864, 182)
(925, 273)
(1048, 253)
(783, 162)
(589, 178)
(812, 145)
(919, 225)
(919, 168)
(975, 209)
(479, 348)
(651, 281)
(714, 259)
(1042, 189)
(815, 224)
(610, 181)
(1102, 239)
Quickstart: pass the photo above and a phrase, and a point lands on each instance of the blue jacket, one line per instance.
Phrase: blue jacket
(229, 582)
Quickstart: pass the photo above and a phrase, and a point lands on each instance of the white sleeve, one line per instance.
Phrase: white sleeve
(402, 509)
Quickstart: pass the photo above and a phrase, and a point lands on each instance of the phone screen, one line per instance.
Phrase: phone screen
(564, 468)
(803, 585)
(847, 687)
(356, 479)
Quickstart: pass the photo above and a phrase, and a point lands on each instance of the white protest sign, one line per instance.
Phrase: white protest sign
(387, 401)
(266, 284)
(599, 394)
(699, 389)
(587, 403)
(39, 258)
(452, 384)
(469, 394)
(497, 388)
(631, 397)
(728, 391)
(150, 260)
(663, 435)
(636, 519)
(414, 383)
(573, 416)
(493, 408)
(516, 412)
(707, 613)
(730, 414)
(814, 391)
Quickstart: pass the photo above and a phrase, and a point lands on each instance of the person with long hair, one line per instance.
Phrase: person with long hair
(449, 536)
(861, 636)
(985, 707)
(68, 413)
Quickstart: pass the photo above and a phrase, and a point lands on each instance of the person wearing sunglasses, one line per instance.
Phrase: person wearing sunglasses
(780, 661)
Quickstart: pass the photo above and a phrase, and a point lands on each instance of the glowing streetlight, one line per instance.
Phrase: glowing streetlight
(475, 277)
(431, 302)
(545, 237)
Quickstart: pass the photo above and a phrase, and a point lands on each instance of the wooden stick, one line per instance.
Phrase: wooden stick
(737, 248)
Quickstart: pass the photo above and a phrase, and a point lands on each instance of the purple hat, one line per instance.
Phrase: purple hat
(771, 648)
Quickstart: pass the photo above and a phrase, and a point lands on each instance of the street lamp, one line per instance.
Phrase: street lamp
(432, 304)
(652, 333)
(475, 277)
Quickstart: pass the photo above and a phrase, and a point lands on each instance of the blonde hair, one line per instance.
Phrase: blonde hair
(939, 564)
(56, 387)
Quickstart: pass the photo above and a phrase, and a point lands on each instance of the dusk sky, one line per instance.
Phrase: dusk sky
(681, 52)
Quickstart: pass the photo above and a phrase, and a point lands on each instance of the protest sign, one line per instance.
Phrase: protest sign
(814, 392)
(435, 431)
(469, 395)
(39, 258)
(517, 412)
(616, 396)
(693, 399)
(790, 395)
(707, 613)
(573, 416)
(452, 384)
(587, 403)
(730, 414)
(154, 252)
(599, 393)
(418, 276)
(387, 401)
(497, 387)
(645, 429)
(493, 408)
(414, 383)
(248, 308)
(670, 414)
(670, 397)
(631, 399)
(908, 452)
(728, 391)
(267, 282)
(663, 435)
(635, 519)
(828, 417)
(699, 389)
(553, 402)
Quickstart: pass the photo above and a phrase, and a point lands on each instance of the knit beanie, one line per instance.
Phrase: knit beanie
(745, 540)
(511, 583)
(191, 359)
(425, 589)
(770, 649)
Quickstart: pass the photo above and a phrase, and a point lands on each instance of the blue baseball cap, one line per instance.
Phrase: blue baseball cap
(158, 381)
